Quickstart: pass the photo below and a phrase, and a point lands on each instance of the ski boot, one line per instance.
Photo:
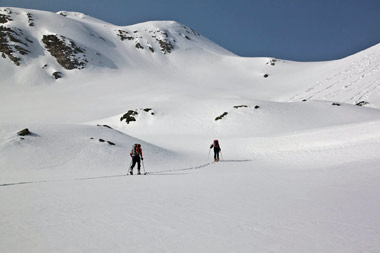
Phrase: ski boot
(138, 172)
(131, 171)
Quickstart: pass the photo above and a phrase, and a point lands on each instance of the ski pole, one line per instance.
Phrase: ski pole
(143, 167)
(221, 154)
(208, 157)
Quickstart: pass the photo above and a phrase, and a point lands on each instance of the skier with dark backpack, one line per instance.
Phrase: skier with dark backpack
(136, 154)
(217, 149)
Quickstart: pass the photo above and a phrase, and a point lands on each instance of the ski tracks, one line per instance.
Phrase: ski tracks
(120, 175)
(351, 85)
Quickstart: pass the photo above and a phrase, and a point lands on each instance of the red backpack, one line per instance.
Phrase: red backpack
(136, 150)
(216, 143)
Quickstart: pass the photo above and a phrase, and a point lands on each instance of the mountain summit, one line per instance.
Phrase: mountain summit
(54, 43)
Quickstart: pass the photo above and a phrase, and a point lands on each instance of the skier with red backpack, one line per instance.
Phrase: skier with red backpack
(217, 149)
(136, 154)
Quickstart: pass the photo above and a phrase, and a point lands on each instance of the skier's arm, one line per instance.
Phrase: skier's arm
(212, 145)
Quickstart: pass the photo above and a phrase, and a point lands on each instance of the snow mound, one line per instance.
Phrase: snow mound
(54, 152)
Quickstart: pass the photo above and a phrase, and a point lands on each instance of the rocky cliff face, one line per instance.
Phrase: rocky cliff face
(66, 41)
(67, 53)
(13, 42)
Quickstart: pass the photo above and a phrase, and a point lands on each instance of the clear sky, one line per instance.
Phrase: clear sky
(302, 30)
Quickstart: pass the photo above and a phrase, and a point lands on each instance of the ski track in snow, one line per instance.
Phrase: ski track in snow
(121, 175)
(351, 85)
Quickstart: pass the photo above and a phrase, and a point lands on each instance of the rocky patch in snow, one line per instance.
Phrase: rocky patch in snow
(132, 114)
(24, 132)
(30, 19)
(221, 116)
(129, 116)
(272, 62)
(166, 46)
(362, 103)
(237, 107)
(106, 126)
(124, 35)
(68, 54)
(5, 15)
(13, 44)
(240, 106)
(57, 75)
(102, 140)
(163, 40)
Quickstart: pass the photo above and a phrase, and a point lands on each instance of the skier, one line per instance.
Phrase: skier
(217, 149)
(136, 154)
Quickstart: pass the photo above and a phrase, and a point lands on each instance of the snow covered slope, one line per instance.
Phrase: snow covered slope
(67, 47)
(300, 142)
(351, 80)
(38, 44)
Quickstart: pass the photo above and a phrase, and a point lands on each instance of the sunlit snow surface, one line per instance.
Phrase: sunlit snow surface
(295, 176)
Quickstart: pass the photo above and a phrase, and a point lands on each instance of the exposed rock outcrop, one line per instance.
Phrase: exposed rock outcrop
(13, 44)
(221, 116)
(68, 54)
(131, 115)
(24, 132)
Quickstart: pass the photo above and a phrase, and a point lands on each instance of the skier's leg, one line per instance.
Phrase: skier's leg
(138, 165)
(132, 166)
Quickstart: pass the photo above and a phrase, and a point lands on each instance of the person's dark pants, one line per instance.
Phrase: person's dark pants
(136, 159)
(216, 153)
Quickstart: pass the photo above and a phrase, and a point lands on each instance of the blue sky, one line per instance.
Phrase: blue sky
(302, 30)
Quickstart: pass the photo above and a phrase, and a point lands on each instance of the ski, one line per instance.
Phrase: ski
(142, 174)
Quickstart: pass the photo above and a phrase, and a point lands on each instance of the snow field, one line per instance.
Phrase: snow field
(294, 177)
(273, 209)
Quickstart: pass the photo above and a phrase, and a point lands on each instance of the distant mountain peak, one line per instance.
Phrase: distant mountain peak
(69, 40)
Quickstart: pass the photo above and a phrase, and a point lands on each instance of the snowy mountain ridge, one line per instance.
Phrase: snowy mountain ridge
(76, 41)
(39, 47)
